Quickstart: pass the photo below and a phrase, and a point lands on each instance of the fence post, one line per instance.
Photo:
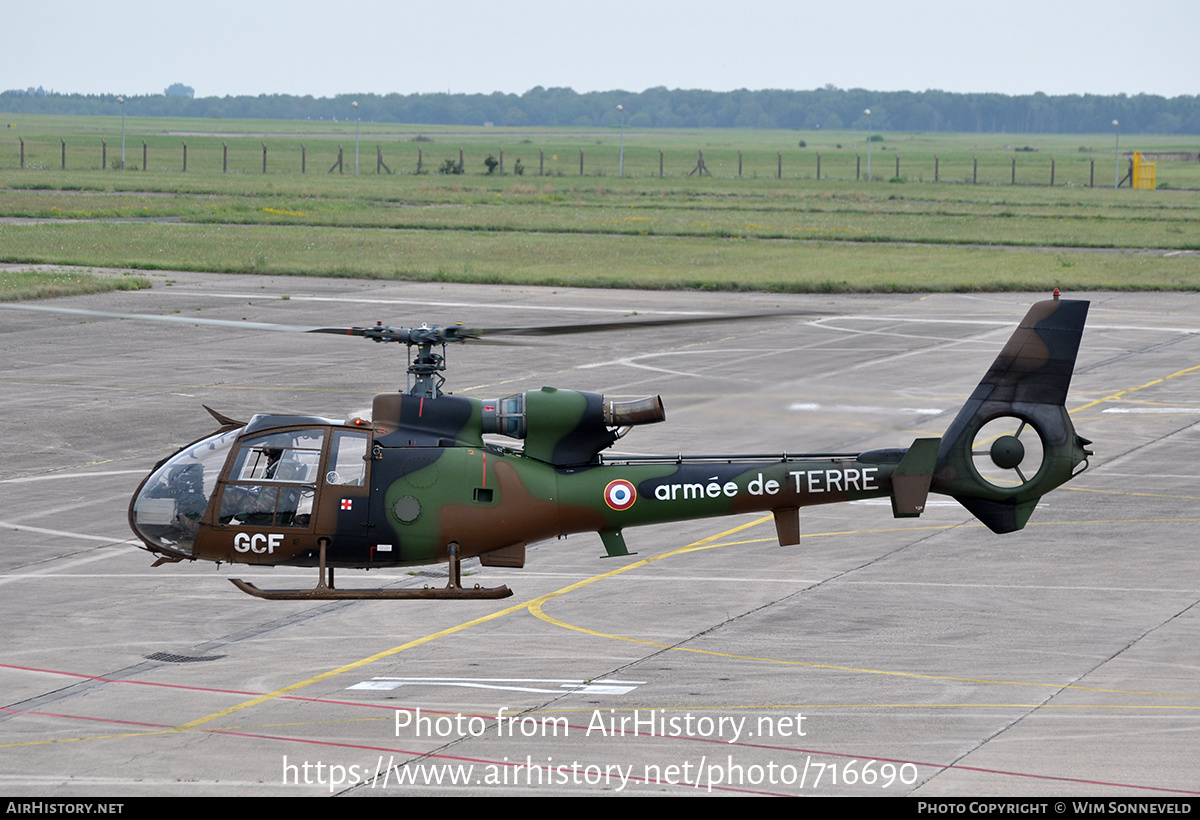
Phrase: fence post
(185, 157)
(937, 168)
(420, 159)
(103, 155)
(779, 166)
(1051, 172)
(1092, 176)
(897, 166)
(303, 158)
(264, 145)
(64, 153)
(501, 162)
(818, 166)
(1014, 170)
(460, 160)
(541, 163)
(974, 170)
(660, 162)
(739, 164)
(379, 163)
(581, 162)
(224, 157)
(22, 153)
(143, 155)
(857, 167)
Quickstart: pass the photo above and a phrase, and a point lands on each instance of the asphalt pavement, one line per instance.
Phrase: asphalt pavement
(921, 657)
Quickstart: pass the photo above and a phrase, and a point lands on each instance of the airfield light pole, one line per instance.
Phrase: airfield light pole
(1117, 156)
(121, 102)
(621, 156)
(868, 113)
(354, 105)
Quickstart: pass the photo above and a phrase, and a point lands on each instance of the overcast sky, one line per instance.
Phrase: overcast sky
(228, 47)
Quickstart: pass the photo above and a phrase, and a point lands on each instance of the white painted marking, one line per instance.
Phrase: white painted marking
(948, 340)
(810, 407)
(70, 475)
(44, 531)
(632, 361)
(595, 687)
(1189, 411)
(70, 564)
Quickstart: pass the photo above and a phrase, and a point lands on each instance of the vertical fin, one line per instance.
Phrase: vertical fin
(1028, 384)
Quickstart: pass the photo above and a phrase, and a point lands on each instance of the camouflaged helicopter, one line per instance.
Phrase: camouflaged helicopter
(418, 483)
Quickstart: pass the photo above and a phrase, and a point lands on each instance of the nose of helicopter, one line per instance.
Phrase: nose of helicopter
(167, 509)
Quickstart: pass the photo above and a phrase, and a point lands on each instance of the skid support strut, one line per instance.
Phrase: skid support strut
(325, 591)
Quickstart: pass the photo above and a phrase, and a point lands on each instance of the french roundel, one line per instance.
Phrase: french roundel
(620, 494)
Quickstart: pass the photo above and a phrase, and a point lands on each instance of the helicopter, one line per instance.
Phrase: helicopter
(417, 483)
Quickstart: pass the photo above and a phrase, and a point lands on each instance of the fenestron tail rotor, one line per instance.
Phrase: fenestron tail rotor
(1006, 457)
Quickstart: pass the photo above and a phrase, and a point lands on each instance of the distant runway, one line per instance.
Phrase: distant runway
(922, 657)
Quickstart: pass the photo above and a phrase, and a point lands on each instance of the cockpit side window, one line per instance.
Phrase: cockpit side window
(347, 459)
(292, 456)
(272, 480)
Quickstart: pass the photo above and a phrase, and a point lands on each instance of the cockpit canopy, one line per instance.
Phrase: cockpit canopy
(168, 508)
(274, 469)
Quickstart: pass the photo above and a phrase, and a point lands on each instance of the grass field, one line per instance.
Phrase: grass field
(43, 284)
(716, 231)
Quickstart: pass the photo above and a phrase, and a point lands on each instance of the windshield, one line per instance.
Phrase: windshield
(166, 512)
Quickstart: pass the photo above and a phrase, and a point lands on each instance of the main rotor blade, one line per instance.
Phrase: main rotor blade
(436, 334)
(625, 324)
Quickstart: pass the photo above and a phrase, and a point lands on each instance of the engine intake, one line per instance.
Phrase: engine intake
(566, 427)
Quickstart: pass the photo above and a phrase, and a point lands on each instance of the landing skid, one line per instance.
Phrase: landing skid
(325, 591)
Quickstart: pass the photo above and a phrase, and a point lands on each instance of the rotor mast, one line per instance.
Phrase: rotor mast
(425, 377)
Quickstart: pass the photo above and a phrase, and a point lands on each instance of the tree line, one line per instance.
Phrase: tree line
(822, 108)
